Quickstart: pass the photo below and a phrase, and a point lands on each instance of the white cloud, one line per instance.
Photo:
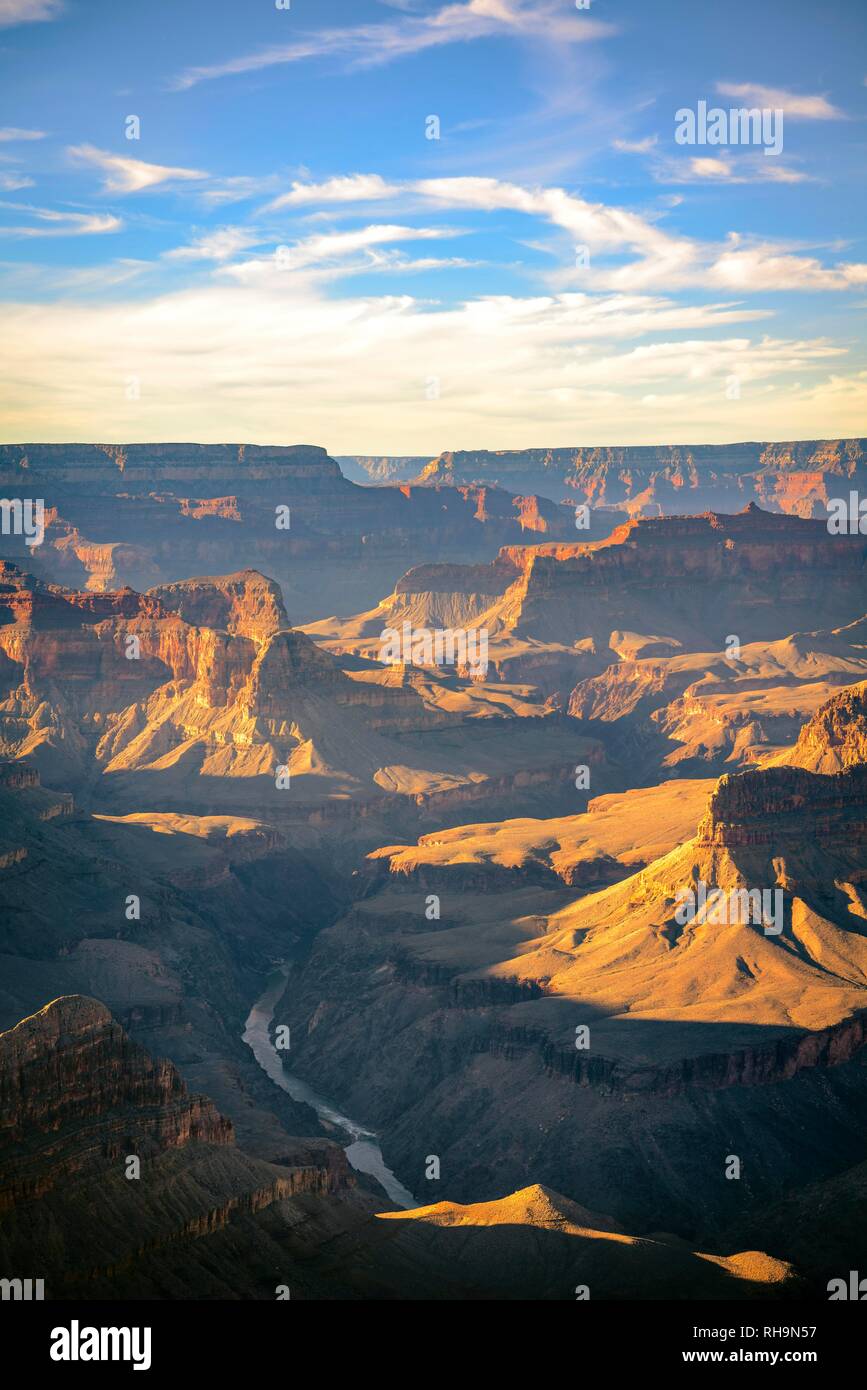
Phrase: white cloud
(125, 175)
(279, 360)
(27, 11)
(330, 251)
(10, 183)
(814, 108)
(351, 188)
(61, 223)
(710, 168)
(662, 261)
(769, 267)
(722, 168)
(372, 44)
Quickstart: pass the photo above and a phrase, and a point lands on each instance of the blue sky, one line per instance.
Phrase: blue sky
(283, 255)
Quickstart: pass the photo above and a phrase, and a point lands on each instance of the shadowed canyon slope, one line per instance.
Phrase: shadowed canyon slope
(703, 1027)
(199, 1218)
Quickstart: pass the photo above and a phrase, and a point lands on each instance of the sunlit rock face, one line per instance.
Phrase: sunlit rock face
(797, 477)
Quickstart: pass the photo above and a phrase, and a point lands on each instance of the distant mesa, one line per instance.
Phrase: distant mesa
(796, 477)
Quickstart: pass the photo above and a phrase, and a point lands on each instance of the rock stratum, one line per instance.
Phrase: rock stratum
(798, 477)
(151, 514)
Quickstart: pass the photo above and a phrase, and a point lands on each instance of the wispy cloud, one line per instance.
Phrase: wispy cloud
(657, 258)
(636, 146)
(660, 260)
(28, 11)
(10, 183)
(61, 223)
(724, 169)
(125, 175)
(11, 132)
(220, 245)
(372, 44)
(814, 108)
(326, 251)
(238, 188)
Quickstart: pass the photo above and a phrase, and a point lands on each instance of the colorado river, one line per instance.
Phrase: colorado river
(362, 1150)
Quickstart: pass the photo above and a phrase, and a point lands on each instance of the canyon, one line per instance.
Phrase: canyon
(461, 886)
(143, 515)
(798, 477)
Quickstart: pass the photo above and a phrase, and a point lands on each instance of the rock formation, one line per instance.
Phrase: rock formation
(153, 514)
(794, 477)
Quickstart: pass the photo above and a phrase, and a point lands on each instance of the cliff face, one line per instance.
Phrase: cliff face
(151, 515)
(795, 477)
(246, 604)
(76, 1093)
(78, 1098)
(113, 465)
(836, 736)
(776, 805)
(692, 579)
(654, 585)
(127, 680)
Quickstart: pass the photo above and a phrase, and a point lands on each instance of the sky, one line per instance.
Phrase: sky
(405, 226)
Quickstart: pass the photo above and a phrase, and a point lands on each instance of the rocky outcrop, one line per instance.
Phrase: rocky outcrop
(126, 680)
(245, 604)
(773, 806)
(536, 1243)
(78, 1101)
(76, 1094)
(836, 736)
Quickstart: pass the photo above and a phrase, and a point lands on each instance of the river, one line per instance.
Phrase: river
(362, 1149)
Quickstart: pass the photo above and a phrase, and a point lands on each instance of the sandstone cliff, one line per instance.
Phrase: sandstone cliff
(836, 736)
(795, 477)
